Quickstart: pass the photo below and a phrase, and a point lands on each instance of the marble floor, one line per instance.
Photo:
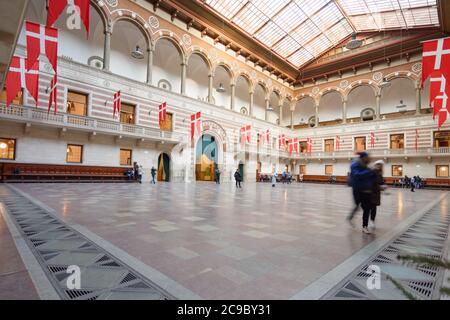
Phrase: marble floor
(220, 242)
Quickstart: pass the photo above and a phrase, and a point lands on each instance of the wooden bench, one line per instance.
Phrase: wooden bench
(30, 172)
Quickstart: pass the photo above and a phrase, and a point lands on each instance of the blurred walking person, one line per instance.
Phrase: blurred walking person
(153, 173)
(274, 179)
(238, 178)
(378, 186)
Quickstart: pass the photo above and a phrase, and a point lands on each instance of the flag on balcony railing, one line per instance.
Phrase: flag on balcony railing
(293, 145)
(162, 112)
(246, 134)
(281, 141)
(53, 90)
(338, 143)
(41, 40)
(372, 140)
(56, 7)
(309, 145)
(265, 137)
(416, 140)
(116, 103)
(436, 64)
(196, 124)
(18, 77)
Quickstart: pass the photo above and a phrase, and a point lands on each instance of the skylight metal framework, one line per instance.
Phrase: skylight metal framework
(301, 30)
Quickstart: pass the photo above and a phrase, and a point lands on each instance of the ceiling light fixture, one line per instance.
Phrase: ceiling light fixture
(137, 53)
(221, 88)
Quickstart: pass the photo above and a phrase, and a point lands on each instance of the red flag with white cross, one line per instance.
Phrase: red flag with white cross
(41, 40)
(281, 141)
(196, 121)
(436, 57)
(162, 112)
(372, 140)
(293, 145)
(18, 77)
(338, 143)
(117, 103)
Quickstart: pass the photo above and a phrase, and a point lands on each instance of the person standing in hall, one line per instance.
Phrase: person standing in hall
(378, 186)
(153, 173)
(362, 181)
(238, 178)
(274, 179)
(140, 171)
(413, 183)
(217, 175)
(135, 170)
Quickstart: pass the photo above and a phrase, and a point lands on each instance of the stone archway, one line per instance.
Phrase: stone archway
(206, 158)
(163, 167)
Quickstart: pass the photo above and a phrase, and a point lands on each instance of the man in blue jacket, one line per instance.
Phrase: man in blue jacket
(362, 179)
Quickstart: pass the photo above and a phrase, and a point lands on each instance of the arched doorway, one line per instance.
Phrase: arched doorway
(163, 167)
(241, 170)
(206, 158)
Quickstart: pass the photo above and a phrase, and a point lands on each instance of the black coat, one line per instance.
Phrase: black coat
(237, 176)
(375, 197)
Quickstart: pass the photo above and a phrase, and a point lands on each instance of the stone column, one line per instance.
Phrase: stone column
(344, 110)
(250, 107)
(107, 49)
(418, 99)
(378, 106)
(266, 116)
(281, 112)
(183, 77)
(149, 65)
(316, 123)
(210, 88)
(292, 120)
(233, 95)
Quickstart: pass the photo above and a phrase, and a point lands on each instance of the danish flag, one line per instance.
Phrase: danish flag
(293, 145)
(56, 7)
(18, 77)
(436, 57)
(41, 40)
(338, 143)
(265, 137)
(416, 140)
(116, 103)
(246, 134)
(309, 145)
(53, 93)
(196, 124)
(281, 141)
(162, 112)
(372, 140)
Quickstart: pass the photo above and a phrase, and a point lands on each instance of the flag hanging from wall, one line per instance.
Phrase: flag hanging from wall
(117, 103)
(293, 145)
(372, 140)
(416, 140)
(309, 145)
(196, 124)
(281, 141)
(18, 77)
(265, 137)
(162, 113)
(436, 66)
(56, 7)
(53, 90)
(246, 135)
(338, 143)
(41, 40)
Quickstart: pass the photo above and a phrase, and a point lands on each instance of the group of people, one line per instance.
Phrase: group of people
(367, 184)
(137, 172)
(415, 182)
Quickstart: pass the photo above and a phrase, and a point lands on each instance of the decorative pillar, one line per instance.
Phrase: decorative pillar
(316, 122)
(281, 112)
(292, 119)
(418, 99)
(250, 107)
(378, 106)
(183, 77)
(233, 95)
(107, 48)
(266, 116)
(210, 88)
(344, 110)
(149, 65)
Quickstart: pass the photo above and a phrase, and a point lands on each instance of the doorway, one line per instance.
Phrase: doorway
(206, 157)
(163, 167)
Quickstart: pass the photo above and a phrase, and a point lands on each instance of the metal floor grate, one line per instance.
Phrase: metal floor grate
(57, 246)
(427, 237)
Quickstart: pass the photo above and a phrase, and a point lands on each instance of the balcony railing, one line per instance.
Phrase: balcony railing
(33, 115)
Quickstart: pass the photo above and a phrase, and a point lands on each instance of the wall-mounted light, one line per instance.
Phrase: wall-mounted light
(3, 145)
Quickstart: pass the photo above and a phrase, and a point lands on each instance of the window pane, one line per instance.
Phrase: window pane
(397, 141)
(7, 149)
(74, 153)
(360, 144)
(329, 145)
(127, 113)
(77, 103)
(125, 157)
(302, 169)
(328, 170)
(17, 100)
(397, 171)
(167, 125)
(442, 139)
(442, 171)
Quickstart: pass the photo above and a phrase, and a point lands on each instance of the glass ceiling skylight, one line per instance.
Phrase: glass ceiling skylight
(301, 30)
